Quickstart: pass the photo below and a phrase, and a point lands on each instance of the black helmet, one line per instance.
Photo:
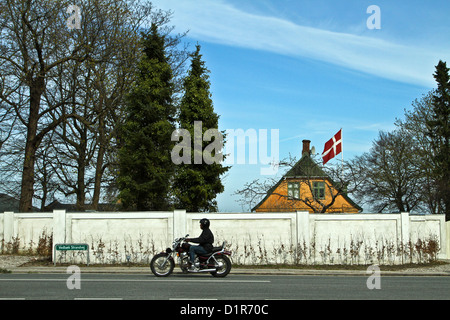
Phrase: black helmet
(204, 222)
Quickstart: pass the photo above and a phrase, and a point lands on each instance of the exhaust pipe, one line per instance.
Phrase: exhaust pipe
(203, 270)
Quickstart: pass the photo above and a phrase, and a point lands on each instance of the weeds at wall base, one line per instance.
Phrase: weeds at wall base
(246, 252)
(358, 251)
(42, 248)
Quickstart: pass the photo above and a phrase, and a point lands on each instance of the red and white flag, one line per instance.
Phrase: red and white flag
(332, 147)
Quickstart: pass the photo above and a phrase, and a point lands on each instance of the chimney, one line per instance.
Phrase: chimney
(306, 150)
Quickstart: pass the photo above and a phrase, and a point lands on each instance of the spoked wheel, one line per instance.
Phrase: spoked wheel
(223, 266)
(161, 265)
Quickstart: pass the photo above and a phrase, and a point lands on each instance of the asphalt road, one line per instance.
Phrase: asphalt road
(234, 287)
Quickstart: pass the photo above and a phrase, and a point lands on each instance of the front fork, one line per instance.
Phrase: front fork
(168, 257)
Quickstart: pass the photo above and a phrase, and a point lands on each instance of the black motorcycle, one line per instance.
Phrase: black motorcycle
(217, 263)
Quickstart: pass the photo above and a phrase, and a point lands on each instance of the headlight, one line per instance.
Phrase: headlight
(168, 250)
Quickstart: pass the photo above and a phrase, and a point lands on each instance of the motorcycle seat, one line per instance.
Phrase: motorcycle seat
(214, 250)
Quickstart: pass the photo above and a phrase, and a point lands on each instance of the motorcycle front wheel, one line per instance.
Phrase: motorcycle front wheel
(223, 266)
(161, 265)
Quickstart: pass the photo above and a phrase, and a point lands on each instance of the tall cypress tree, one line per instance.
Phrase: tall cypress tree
(439, 133)
(145, 165)
(197, 183)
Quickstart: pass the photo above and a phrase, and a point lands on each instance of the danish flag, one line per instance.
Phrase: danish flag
(332, 147)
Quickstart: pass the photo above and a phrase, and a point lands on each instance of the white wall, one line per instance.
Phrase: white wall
(25, 227)
(448, 239)
(254, 238)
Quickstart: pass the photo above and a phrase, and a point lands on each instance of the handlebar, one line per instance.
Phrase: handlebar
(183, 238)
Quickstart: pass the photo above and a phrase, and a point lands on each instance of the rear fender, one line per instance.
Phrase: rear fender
(220, 253)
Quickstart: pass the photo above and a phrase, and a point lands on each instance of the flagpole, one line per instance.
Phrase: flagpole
(342, 152)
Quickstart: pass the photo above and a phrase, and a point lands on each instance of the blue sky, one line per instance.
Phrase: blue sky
(309, 68)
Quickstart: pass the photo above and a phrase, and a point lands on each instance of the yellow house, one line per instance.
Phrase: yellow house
(306, 187)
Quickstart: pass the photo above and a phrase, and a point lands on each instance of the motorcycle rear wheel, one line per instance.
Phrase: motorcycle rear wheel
(225, 267)
(161, 266)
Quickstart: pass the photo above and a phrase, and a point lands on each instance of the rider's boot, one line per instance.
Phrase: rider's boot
(191, 266)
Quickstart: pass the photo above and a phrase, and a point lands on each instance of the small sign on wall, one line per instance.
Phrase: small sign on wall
(71, 247)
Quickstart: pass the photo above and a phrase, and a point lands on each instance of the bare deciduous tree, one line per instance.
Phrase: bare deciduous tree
(390, 174)
(50, 73)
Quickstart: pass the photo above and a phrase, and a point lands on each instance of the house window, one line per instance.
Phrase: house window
(319, 189)
(293, 190)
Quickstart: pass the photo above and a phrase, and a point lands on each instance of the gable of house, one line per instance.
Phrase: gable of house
(300, 182)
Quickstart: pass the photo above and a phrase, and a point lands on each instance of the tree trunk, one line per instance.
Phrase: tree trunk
(32, 143)
(27, 191)
(81, 185)
(99, 164)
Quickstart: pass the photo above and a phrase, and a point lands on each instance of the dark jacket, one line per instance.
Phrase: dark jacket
(206, 239)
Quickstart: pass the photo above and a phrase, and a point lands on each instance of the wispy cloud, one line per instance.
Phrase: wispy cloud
(219, 22)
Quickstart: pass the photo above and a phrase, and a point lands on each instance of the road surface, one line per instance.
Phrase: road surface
(234, 287)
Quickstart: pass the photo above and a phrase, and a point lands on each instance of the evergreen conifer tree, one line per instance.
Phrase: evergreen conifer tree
(197, 182)
(145, 165)
(439, 133)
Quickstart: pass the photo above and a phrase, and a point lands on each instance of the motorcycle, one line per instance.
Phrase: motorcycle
(216, 262)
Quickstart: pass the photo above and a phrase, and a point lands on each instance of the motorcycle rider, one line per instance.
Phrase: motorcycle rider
(205, 241)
